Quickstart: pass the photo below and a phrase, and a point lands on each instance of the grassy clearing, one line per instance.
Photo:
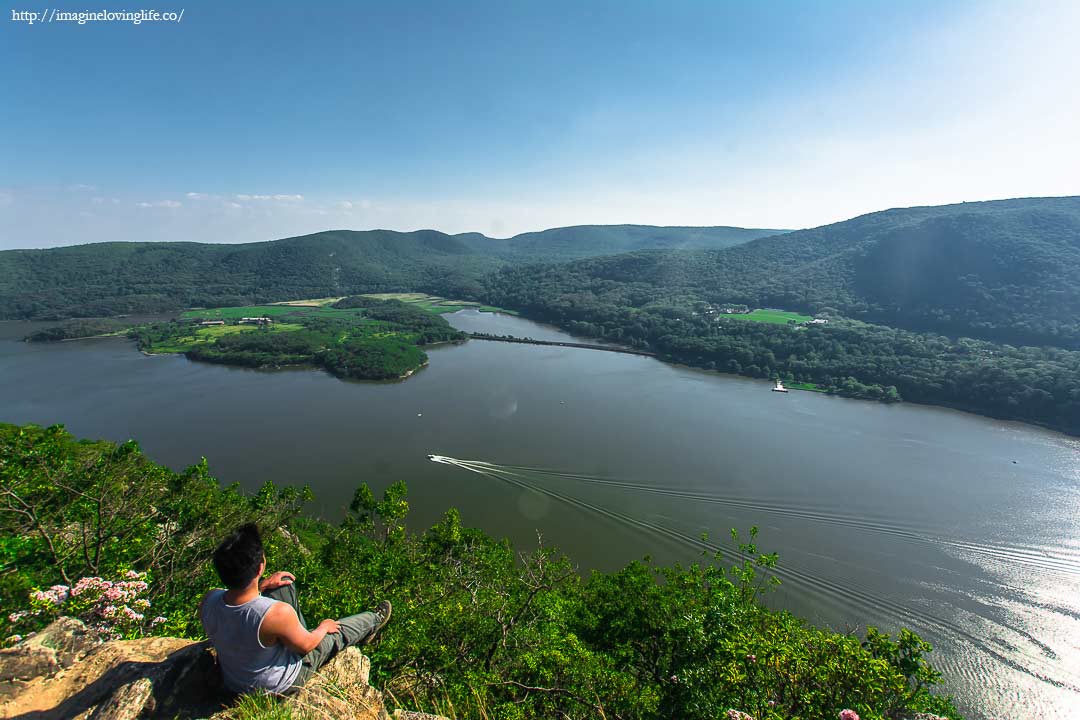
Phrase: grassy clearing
(207, 335)
(312, 302)
(811, 387)
(777, 317)
(436, 304)
(321, 307)
(277, 312)
(235, 313)
(403, 297)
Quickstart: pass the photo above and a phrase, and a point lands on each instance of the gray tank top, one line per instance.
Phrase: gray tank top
(247, 664)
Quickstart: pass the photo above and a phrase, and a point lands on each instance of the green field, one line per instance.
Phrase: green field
(436, 304)
(312, 302)
(777, 317)
(235, 313)
(811, 387)
(207, 335)
(365, 339)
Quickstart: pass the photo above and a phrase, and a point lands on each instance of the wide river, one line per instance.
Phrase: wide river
(965, 529)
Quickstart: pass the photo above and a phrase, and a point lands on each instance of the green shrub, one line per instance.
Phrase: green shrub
(479, 629)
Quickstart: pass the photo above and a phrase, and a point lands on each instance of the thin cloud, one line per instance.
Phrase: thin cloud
(159, 204)
(278, 198)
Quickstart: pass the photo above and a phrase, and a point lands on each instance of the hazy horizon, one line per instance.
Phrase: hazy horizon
(244, 122)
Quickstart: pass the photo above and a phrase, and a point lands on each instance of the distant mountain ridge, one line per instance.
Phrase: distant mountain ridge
(110, 278)
(581, 241)
(1005, 270)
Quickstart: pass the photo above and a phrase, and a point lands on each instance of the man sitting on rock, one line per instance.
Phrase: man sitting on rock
(257, 628)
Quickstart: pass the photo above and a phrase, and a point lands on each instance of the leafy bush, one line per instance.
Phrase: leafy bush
(113, 609)
(72, 509)
(479, 630)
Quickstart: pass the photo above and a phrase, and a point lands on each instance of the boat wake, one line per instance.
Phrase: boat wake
(990, 628)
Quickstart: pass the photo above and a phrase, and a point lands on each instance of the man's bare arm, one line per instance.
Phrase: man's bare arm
(276, 580)
(282, 625)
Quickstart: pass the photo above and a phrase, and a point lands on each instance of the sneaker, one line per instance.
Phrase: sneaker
(382, 611)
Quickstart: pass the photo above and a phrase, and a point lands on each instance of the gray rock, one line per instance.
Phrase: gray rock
(24, 662)
(413, 715)
(128, 702)
(62, 673)
(45, 653)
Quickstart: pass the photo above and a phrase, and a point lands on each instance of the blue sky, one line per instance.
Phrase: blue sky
(253, 121)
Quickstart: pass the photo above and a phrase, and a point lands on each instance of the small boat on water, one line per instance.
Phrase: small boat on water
(779, 386)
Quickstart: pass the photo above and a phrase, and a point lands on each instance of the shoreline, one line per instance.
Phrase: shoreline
(953, 407)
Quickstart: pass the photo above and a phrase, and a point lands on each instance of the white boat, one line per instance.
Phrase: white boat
(779, 386)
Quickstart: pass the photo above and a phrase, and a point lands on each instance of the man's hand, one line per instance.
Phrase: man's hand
(276, 580)
(330, 626)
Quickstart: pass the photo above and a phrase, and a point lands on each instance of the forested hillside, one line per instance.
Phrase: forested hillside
(1008, 271)
(112, 278)
(1005, 270)
(115, 278)
(584, 241)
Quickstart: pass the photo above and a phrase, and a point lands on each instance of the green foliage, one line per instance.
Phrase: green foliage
(1006, 271)
(479, 629)
(366, 340)
(71, 509)
(78, 329)
(113, 278)
(261, 706)
(846, 357)
(112, 608)
(777, 317)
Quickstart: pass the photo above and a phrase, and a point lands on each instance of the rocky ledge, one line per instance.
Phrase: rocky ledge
(62, 672)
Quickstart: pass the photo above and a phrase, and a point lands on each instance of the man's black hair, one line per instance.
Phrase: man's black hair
(238, 557)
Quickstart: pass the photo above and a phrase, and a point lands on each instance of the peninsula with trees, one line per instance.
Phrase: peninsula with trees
(356, 337)
(974, 306)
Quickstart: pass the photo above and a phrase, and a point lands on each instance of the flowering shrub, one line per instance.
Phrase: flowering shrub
(114, 609)
(484, 630)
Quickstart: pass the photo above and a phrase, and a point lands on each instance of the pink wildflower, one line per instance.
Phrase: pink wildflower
(56, 595)
(849, 715)
(88, 584)
(131, 614)
(160, 619)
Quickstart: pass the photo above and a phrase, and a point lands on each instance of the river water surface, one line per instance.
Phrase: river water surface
(962, 528)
